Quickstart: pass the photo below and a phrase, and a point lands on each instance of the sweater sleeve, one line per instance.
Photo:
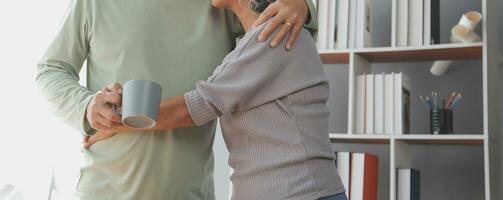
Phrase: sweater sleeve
(58, 71)
(257, 74)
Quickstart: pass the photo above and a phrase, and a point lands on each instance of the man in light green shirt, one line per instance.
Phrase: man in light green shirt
(172, 42)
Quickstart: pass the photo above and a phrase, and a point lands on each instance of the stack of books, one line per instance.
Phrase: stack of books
(416, 22)
(358, 172)
(408, 184)
(382, 104)
(344, 24)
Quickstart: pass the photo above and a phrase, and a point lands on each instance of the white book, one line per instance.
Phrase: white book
(379, 104)
(369, 104)
(403, 184)
(344, 169)
(388, 103)
(402, 104)
(352, 24)
(342, 24)
(332, 23)
(427, 22)
(363, 23)
(360, 104)
(323, 7)
(415, 26)
(402, 20)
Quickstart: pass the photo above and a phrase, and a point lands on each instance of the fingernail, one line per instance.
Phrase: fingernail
(274, 44)
(288, 47)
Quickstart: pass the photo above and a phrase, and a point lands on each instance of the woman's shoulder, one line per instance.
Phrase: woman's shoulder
(304, 44)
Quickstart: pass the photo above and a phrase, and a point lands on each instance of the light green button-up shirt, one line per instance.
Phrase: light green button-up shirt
(172, 42)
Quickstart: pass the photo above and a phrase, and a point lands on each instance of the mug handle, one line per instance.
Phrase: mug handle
(117, 109)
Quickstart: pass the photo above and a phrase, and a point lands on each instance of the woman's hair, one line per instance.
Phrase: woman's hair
(260, 5)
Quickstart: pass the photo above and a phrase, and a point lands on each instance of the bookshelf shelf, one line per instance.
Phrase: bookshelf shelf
(457, 51)
(419, 139)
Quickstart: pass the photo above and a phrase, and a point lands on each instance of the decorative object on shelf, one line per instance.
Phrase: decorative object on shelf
(441, 114)
(460, 33)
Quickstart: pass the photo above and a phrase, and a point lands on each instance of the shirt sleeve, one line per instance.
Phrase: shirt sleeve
(58, 71)
(312, 21)
(256, 75)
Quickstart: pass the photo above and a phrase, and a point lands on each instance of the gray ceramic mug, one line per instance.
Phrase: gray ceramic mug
(140, 103)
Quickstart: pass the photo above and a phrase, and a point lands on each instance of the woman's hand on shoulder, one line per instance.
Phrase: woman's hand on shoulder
(289, 17)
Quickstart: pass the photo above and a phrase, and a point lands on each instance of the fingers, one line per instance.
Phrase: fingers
(109, 114)
(293, 35)
(114, 87)
(108, 97)
(269, 12)
(285, 29)
(271, 27)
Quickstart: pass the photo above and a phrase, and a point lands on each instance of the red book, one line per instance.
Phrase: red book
(364, 169)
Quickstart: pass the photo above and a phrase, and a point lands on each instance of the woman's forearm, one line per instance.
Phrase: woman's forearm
(173, 113)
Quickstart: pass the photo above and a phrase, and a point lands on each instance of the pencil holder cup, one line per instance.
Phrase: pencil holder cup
(441, 121)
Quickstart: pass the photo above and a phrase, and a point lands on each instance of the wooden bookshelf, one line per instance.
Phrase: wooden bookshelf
(458, 51)
(414, 139)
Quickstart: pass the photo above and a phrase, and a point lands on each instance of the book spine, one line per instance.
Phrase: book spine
(427, 22)
(322, 38)
(415, 26)
(363, 23)
(389, 103)
(342, 24)
(369, 107)
(402, 22)
(379, 104)
(435, 22)
(331, 24)
(370, 174)
(360, 104)
(352, 24)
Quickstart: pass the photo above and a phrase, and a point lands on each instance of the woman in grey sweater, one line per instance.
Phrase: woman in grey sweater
(271, 104)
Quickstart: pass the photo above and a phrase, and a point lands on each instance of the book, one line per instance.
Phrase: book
(344, 169)
(369, 104)
(360, 104)
(401, 124)
(342, 23)
(427, 22)
(389, 103)
(402, 21)
(379, 104)
(364, 169)
(435, 22)
(332, 21)
(322, 38)
(363, 23)
(415, 25)
(352, 24)
(408, 184)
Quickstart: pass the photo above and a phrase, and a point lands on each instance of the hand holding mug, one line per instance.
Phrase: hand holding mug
(100, 113)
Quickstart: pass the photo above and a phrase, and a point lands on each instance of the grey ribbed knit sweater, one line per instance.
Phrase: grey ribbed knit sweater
(274, 119)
